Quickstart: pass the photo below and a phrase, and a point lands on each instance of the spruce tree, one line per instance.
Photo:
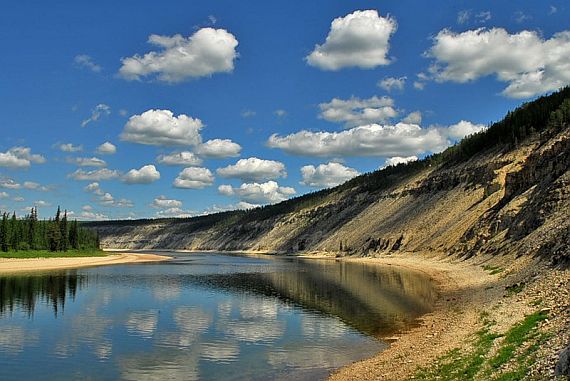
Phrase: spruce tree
(32, 222)
(74, 235)
(14, 233)
(4, 233)
(64, 233)
(57, 228)
(53, 235)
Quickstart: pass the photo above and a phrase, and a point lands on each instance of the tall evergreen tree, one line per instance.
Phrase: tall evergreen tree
(57, 232)
(74, 235)
(32, 222)
(14, 233)
(64, 233)
(53, 235)
(4, 233)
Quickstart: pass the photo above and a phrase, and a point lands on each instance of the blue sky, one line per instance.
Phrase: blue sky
(303, 101)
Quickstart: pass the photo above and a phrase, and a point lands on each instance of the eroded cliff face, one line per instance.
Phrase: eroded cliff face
(514, 199)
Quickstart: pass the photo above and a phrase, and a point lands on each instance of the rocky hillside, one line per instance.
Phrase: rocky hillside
(506, 189)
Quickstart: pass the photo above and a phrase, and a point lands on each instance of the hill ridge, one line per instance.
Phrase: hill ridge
(505, 189)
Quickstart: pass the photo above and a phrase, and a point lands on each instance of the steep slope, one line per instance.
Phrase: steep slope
(506, 189)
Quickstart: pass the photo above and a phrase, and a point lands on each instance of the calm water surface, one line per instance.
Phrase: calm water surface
(203, 316)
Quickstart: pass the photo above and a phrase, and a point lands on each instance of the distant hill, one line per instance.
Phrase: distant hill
(505, 189)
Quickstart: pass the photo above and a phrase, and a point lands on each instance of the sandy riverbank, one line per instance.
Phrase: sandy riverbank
(467, 291)
(12, 265)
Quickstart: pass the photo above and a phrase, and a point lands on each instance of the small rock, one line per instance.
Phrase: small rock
(563, 365)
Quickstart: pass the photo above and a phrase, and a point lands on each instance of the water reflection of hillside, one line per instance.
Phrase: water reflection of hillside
(376, 300)
(24, 292)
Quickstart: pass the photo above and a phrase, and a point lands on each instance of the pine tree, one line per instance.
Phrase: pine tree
(14, 233)
(74, 235)
(64, 233)
(57, 228)
(4, 233)
(53, 235)
(32, 222)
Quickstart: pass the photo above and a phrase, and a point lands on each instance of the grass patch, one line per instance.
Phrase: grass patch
(51, 254)
(515, 337)
(518, 347)
(493, 269)
(515, 288)
(462, 366)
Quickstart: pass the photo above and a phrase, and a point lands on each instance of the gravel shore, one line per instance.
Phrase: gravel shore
(469, 290)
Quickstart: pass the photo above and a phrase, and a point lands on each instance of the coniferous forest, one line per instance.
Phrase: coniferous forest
(56, 234)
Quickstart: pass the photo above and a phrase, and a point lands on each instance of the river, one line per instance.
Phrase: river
(204, 317)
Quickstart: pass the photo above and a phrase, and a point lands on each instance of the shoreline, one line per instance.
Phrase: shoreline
(467, 290)
(19, 265)
(454, 318)
(471, 292)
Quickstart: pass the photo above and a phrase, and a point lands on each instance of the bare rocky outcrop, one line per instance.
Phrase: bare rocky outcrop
(503, 201)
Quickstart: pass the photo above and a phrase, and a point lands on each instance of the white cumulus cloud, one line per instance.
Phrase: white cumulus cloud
(95, 188)
(218, 149)
(360, 39)
(163, 202)
(415, 117)
(391, 83)
(393, 161)
(20, 157)
(401, 139)
(258, 193)
(419, 85)
(356, 111)
(93, 216)
(206, 52)
(31, 185)
(106, 199)
(162, 128)
(106, 148)
(369, 140)
(87, 161)
(86, 61)
(528, 63)
(462, 129)
(254, 168)
(68, 147)
(95, 175)
(185, 158)
(145, 175)
(194, 178)
(9, 183)
(326, 175)
(175, 213)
